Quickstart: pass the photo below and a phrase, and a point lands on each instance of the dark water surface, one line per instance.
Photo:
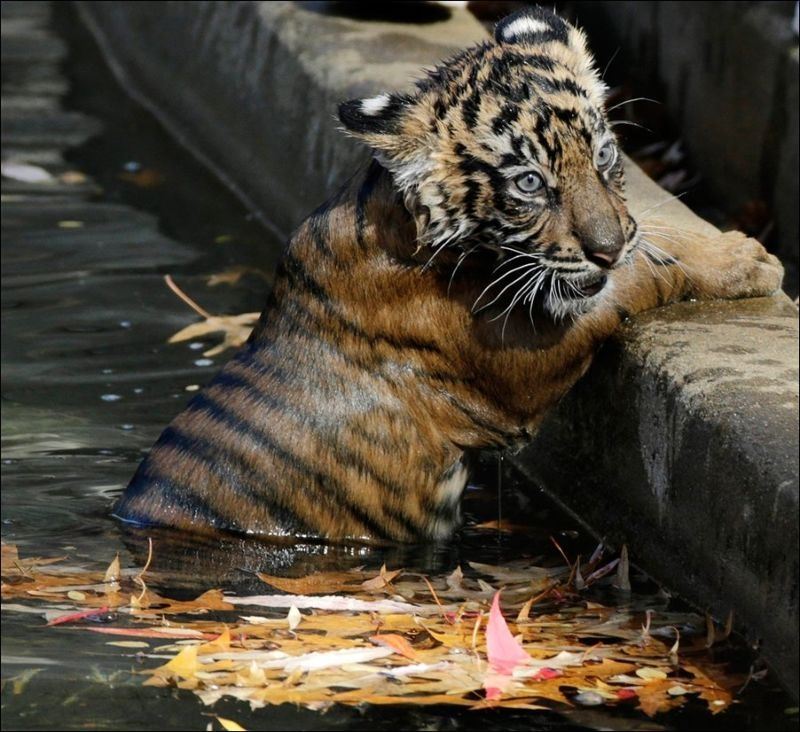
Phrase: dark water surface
(89, 381)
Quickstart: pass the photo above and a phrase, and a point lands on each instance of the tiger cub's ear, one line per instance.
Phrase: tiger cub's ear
(379, 115)
(392, 125)
(535, 26)
(532, 25)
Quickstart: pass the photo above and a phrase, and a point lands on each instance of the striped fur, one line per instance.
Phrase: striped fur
(444, 300)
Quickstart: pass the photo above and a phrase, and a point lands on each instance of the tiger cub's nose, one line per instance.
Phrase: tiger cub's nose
(604, 242)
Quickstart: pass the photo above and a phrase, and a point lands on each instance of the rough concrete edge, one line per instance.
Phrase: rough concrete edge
(654, 195)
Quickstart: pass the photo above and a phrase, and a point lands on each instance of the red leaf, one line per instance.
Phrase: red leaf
(546, 673)
(626, 693)
(72, 617)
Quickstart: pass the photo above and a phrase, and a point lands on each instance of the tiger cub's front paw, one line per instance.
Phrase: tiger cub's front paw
(735, 266)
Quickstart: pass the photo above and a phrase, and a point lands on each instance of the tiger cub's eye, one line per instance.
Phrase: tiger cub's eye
(529, 182)
(606, 155)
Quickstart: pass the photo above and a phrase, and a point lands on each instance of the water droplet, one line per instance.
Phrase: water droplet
(125, 324)
(107, 371)
(111, 397)
(192, 387)
(204, 362)
(196, 345)
(132, 166)
(138, 390)
(126, 427)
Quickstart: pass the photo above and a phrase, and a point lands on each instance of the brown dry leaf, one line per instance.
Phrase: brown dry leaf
(236, 329)
(321, 583)
(12, 563)
(380, 582)
(397, 643)
(144, 178)
(156, 606)
(233, 275)
(113, 572)
(654, 698)
(714, 685)
(506, 526)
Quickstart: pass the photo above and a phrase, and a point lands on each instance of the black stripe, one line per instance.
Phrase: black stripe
(217, 462)
(146, 483)
(362, 198)
(207, 404)
(318, 228)
(344, 455)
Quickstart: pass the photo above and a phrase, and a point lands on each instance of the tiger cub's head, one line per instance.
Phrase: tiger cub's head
(506, 147)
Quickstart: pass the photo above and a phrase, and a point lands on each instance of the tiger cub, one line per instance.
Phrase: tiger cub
(442, 301)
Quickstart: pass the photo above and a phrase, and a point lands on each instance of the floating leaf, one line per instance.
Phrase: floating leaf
(230, 725)
(184, 664)
(128, 644)
(113, 571)
(236, 328)
(294, 617)
(25, 173)
(383, 579)
(321, 583)
(397, 643)
(503, 650)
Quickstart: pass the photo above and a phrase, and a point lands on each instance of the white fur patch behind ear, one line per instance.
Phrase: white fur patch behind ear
(521, 27)
(375, 105)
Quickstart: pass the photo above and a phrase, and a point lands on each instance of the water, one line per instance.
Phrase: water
(89, 381)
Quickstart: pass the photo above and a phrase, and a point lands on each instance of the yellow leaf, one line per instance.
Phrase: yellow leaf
(651, 674)
(230, 725)
(184, 664)
(128, 644)
(113, 571)
(221, 643)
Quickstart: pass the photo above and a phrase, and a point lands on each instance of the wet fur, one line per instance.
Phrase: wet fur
(376, 364)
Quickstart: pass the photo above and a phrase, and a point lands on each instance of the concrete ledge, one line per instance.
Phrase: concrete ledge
(682, 439)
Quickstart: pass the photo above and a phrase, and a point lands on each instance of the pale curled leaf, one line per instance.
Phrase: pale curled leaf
(236, 329)
(25, 173)
(294, 617)
(113, 572)
(326, 602)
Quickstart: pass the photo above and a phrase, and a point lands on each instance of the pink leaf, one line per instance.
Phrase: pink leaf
(546, 673)
(503, 650)
(495, 685)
